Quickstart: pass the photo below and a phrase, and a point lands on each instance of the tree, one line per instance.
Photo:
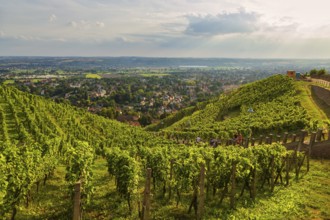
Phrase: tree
(145, 120)
(321, 72)
(313, 72)
(108, 112)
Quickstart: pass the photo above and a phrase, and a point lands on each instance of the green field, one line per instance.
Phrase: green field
(307, 198)
(9, 81)
(93, 76)
(153, 74)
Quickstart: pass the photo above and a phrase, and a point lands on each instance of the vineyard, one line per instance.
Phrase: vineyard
(266, 106)
(147, 175)
(38, 134)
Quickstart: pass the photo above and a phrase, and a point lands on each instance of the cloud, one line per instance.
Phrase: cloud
(52, 18)
(25, 37)
(100, 24)
(249, 46)
(281, 28)
(82, 24)
(122, 39)
(173, 27)
(73, 24)
(165, 28)
(225, 23)
(282, 25)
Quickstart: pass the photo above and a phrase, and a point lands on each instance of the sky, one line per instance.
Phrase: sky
(166, 28)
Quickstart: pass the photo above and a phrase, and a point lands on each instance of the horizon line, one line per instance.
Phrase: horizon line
(157, 57)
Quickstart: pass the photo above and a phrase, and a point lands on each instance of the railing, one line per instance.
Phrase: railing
(316, 143)
(321, 82)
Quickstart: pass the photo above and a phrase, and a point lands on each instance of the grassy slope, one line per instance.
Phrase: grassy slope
(309, 198)
(321, 104)
(51, 202)
(308, 102)
(250, 95)
(306, 199)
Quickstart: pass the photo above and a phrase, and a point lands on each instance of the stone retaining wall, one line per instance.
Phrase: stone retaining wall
(322, 94)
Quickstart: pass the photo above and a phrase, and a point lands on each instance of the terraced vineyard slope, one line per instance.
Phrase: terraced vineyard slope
(269, 105)
(37, 135)
(46, 148)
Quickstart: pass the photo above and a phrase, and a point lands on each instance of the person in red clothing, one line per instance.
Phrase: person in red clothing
(239, 139)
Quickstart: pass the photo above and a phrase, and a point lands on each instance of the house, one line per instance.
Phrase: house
(75, 85)
(291, 74)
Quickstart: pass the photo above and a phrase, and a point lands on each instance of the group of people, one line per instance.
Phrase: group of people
(237, 139)
(213, 142)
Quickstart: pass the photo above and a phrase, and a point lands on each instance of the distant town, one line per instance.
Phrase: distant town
(138, 96)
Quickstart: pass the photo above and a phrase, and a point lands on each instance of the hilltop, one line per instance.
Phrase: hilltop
(269, 105)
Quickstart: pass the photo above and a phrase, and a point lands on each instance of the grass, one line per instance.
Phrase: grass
(51, 202)
(104, 201)
(153, 74)
(9, 81)
(322, 105)
(233, 113)
(36, 80)
(309, 102)
(308, 198)
(92, 76)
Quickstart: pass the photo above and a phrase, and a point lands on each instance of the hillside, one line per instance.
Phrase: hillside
(31, 119)
(46, 148)
(38, 135)
(269, 105)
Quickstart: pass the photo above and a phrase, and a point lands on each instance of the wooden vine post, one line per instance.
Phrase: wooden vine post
(278, 138)
(296, 162)
(319, 134)
(146, 197)
(285, 138)
(272, 170)
(270, 141)
(246, 143)
(310, 146)
(201, 197)
(253, 183)
(260, 139)
(233, 185)
(301, 139)
(171, 177)
(267, 141)
(287, 170)
(77, 201)
(252, 141)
